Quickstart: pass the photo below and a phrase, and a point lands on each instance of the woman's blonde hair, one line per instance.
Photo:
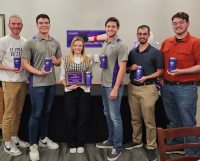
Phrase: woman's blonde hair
(71, 55)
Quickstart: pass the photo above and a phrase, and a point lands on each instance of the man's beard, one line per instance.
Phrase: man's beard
(181, 32)
(14, 31)
(143, 42)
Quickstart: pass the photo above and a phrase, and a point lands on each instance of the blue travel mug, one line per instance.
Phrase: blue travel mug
(47, 63)
(172, 64)
(103, 61)
(139, 72)
(17, 63)
(88, 78)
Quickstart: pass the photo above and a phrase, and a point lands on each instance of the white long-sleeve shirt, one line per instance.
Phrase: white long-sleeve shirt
(10, 48)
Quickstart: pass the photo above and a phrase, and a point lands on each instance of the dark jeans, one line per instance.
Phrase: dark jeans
(77, 107)
(41, 100)
(180, 102)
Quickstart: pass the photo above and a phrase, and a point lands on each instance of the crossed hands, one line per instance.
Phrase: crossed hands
(15, 70)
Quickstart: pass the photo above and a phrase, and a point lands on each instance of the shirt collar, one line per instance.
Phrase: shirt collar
(78, 59)
(40, 38)
(113, 40)
(185, 39)
(77, 56)
(146, 50)
(14, 38)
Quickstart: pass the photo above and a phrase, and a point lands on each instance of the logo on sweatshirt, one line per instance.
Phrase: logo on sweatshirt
(53, 46)
(16, 51)
(112, 48)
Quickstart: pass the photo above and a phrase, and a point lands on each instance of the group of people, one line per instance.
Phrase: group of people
(178, 87)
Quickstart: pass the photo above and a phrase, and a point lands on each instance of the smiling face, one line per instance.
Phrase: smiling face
(15, 25)
(180, 26)
(111, 29)
(43, 25)
(78, 47)
(143, 35)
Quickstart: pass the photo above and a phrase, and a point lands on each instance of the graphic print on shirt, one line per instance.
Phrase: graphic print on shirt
(16, 51)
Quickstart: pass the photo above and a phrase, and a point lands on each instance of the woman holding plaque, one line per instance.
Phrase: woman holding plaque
(77, 97)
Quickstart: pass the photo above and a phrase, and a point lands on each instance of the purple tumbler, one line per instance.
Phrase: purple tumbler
(47, 63)
(103, 61)
(88, 78)
(139, 72)
(172, 64)
(17, 63)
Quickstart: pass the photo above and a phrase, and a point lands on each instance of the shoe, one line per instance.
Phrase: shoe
(19, 143)
(72, 150)
(131, 144)
(114, 154)
(181, 151)
(46, 142)
(11, 149)
(151, 155)
(80, 149)
(34, 154)
(105, 144)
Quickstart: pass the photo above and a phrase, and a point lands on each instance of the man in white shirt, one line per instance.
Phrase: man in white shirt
(14, 86)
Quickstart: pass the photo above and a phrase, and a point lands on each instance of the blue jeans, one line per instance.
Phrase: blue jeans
(180, 103)
(41, 100)
(113, 116)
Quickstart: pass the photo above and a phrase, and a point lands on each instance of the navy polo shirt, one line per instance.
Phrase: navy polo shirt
(150, 59)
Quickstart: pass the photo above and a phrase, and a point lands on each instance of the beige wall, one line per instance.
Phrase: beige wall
(92, 14)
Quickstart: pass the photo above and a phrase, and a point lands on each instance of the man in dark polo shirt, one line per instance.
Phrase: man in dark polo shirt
(142, 93)
(179, 90)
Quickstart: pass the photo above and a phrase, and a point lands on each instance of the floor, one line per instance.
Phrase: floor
(91, 154)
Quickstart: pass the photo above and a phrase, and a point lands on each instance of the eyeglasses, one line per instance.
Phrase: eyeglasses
(140, 34)
(180, 23)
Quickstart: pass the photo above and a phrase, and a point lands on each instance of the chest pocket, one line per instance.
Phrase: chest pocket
(164, 53)
(185, 55)
(165, 50)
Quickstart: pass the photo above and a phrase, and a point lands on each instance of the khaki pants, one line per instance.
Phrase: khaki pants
(142, 104)
(14, 97)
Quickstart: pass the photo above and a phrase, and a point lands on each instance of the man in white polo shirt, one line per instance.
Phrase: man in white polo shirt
(14, 86)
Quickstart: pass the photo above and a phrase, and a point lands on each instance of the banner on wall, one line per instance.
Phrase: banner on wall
(92, 38)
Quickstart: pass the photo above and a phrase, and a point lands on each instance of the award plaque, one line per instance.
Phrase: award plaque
(75, 78)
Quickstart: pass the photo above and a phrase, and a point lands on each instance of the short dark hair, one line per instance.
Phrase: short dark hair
(144, 26)
(181, 15)
(42, 16)
(113, 19)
